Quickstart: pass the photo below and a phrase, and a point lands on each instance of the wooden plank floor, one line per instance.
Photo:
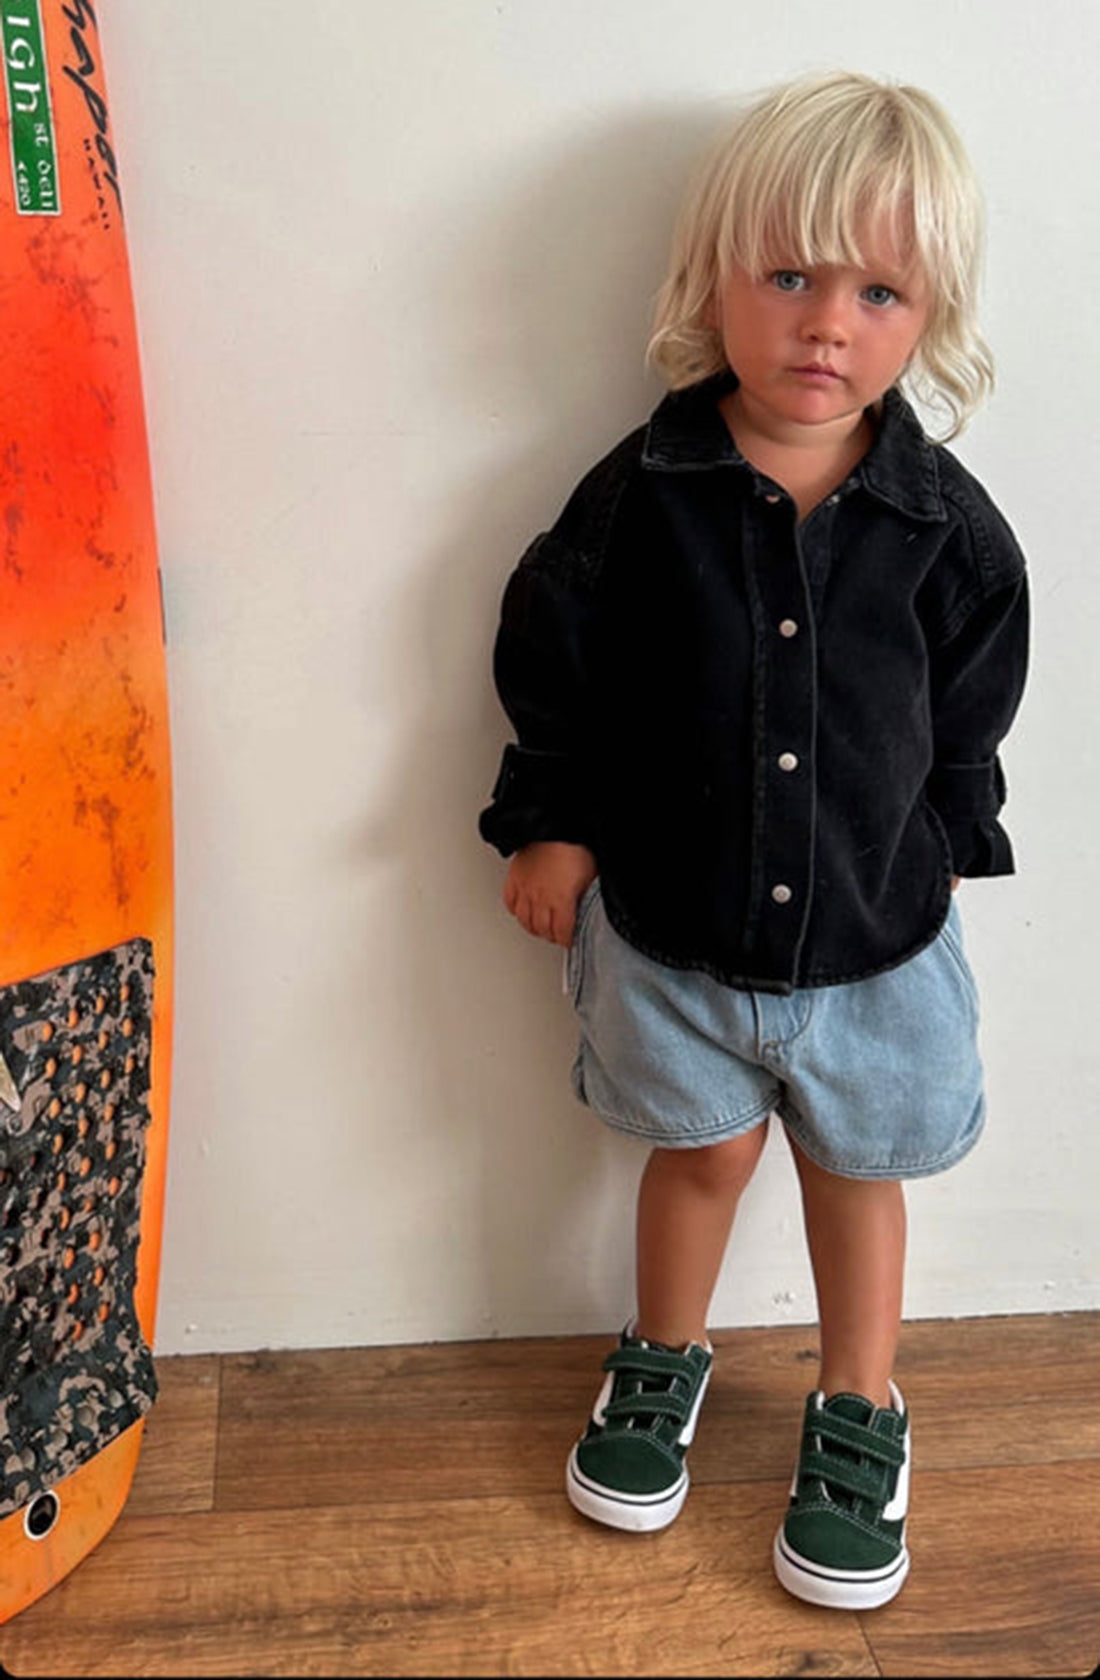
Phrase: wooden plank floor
(399, 1511)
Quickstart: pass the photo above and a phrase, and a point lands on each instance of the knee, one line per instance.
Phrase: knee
(723, 1169)
(819, 1185)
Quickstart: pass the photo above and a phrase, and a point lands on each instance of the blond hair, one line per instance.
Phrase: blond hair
(797, 178)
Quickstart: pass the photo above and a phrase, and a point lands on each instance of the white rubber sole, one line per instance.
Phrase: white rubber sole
(838, 1589)
(637, 1513)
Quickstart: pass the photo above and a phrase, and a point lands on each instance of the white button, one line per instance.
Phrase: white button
(772, 499)
(788, 761)
(831, 501)
(782, 894)
(788, 627)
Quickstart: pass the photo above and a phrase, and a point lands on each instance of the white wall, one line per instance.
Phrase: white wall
(393, 266)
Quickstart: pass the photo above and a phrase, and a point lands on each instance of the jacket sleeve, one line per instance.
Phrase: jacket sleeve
(978, 676)
(541, 661)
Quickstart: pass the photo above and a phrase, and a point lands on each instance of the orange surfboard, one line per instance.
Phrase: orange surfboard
(85, 821)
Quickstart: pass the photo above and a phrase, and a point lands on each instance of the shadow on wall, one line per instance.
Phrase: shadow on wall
(545, 303)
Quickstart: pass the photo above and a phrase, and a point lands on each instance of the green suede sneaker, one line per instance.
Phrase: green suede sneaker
(842, 1543)
(628, 1469)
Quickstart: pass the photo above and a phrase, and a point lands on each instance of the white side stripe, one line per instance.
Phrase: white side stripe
(898, 1508)
(687, 1433)
(599, 1410)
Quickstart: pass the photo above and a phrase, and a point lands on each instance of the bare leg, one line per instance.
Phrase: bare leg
(686, 1203)
(856, 1233)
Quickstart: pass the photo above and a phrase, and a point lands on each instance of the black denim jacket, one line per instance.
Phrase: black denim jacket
(779, 739)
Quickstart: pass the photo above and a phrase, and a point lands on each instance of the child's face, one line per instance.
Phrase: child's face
(812, 348)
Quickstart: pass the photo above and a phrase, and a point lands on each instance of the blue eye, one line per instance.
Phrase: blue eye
(788, 280)
(880, 296)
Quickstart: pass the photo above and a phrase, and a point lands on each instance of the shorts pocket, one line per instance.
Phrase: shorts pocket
(951, 940)
(575, 956)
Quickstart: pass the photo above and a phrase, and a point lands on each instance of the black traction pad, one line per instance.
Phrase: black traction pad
(75, 1370)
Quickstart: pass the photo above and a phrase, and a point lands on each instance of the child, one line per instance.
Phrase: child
(759, 671)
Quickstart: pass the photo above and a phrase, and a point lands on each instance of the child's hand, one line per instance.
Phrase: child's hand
(544, 885)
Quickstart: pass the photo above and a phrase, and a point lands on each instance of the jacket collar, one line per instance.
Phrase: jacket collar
(686, 433)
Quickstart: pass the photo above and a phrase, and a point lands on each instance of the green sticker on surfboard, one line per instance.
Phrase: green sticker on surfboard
(30, 113)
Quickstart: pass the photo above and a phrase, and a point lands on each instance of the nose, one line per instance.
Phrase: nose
(827, 319)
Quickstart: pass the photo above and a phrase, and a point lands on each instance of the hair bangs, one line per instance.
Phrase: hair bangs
(816, 187)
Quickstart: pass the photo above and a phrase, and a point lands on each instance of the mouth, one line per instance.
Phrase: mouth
(816, 370)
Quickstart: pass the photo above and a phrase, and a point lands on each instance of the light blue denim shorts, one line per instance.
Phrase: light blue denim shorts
(878, 1078)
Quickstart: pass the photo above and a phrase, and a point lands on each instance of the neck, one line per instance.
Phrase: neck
(810, 462)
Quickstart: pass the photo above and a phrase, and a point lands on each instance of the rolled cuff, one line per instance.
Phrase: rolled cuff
(537, 796)
(967, 798)
(980, 849)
